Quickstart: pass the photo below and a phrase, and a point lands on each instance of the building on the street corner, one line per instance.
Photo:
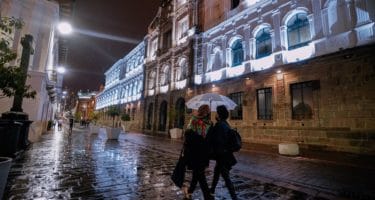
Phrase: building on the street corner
(169, 64)
(40, 18)
(86, 105)
(124, 87)
(301, 71)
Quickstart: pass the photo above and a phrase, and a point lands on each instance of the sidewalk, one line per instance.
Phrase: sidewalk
(329, 175)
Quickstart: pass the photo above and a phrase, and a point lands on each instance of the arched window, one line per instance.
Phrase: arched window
(164, 79)
(151, 80)
(139, 86)
(298, 31)
(181, 70)
(179, 120)
(263, 43)
(217, 61)
(163, 116)
(237, 53)
(135, 88)
(235, 3)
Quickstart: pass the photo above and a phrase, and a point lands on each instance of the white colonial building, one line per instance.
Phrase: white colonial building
(300, 71)
(260, 34)
(40, 18)
(169, 63)
(124, 84)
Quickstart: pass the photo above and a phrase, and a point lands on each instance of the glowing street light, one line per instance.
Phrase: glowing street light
(61, 70)
(65, 28)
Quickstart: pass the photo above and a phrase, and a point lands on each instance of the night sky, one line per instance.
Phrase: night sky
(89, 57)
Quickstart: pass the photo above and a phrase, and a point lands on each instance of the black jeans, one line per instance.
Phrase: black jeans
(220, 168)
(199, 176)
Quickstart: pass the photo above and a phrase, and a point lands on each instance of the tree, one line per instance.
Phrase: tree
(113, 111)
(11, 77)
(94, 116)
(125, 117)
(77, 116)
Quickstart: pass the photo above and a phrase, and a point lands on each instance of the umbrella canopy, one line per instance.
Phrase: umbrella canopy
(211, 99)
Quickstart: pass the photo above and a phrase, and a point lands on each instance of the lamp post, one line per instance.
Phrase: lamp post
(27, 50)
(16, 113)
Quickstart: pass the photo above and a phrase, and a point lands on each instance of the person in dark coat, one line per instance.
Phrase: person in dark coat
(196, 151)
(218, 141)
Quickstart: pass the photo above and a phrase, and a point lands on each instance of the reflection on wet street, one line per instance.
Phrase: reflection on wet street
(84, 166)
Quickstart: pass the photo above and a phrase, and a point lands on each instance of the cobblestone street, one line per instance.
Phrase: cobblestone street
(84, 166)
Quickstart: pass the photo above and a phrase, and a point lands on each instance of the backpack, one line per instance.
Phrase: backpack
(235, 141)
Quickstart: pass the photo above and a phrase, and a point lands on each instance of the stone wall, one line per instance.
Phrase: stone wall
(343, 103)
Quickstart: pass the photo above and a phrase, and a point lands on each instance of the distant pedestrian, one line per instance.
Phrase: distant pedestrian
(71, 123)
(218, 139)
(59, 124)
(196, 151)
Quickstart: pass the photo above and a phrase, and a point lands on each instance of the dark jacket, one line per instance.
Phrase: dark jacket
(218, 143)
(195, 150)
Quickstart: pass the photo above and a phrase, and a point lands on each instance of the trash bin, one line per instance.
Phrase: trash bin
(23, 141)
(5, 164)
(9, 137)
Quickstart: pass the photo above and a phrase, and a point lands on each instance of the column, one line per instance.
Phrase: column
(351, 22)
(277, 41)
(318, 19)
(283, 38)
(224, 48)
(312, 26)
(246, 43)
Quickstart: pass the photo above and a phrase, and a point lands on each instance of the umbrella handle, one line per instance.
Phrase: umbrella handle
(210, 103)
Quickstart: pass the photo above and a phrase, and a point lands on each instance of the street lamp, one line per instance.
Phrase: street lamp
(61, 70)
(65, 28)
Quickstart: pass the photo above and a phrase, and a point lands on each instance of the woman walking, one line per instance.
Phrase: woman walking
(218, 140)
(196, 151)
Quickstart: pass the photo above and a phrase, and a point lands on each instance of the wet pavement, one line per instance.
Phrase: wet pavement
(88, 166)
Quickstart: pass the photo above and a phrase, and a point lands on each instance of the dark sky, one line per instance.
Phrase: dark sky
(89, 57)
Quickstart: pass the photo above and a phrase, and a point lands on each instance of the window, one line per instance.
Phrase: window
(167, 40)
(298, 31)
(181, 70)
(183, 27)
(237, 53)
(180, 2)
(264, 103)
(217, 63)
(151, 79)
(236, 114)
(235, 3)
(263, 43)
(154, 47)
(163, 116)
(164, 79)
(302, 100)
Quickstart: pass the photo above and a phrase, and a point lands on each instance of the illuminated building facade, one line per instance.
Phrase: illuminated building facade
(168, 65)
(297, 69)
(300, 71)
(124, 86)
(85, 105)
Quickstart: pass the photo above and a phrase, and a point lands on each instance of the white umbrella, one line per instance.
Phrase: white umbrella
(211, 99)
